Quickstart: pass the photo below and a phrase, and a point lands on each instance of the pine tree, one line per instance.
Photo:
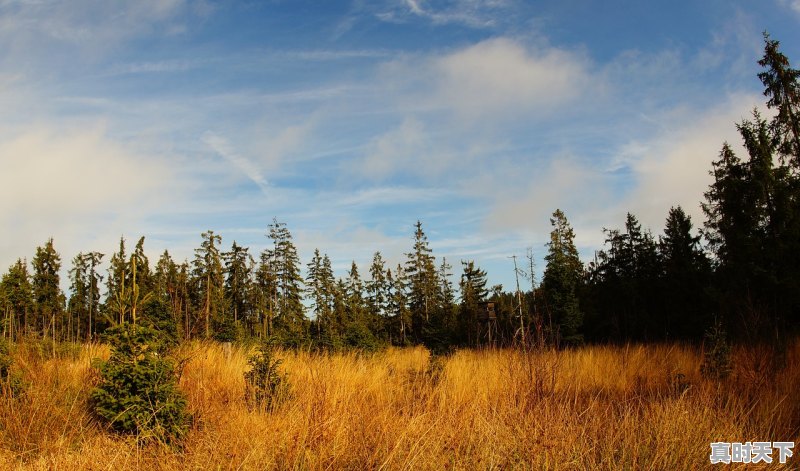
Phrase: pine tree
(378, 287)
(473, 294)
(782, 87)
(562, 276)
(686, 275)
(238, 274)
(84, 301)
(17, 292)
(46, 291)
(290, 309)
(116, 306)
(207, 269)
(399, 302)
(420, 271)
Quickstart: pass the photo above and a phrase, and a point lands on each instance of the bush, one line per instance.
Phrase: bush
(717, 355)
(138, 392)
(266, 386)
(9, 382)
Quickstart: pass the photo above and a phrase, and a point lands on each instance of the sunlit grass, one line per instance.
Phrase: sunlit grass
(599, 407)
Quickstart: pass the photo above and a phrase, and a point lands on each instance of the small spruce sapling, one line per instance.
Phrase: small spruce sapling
(138, 391)
(717, 355)
(266, 386)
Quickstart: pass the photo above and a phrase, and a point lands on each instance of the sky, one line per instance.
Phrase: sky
(351, 120)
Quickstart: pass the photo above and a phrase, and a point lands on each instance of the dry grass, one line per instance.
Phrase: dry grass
(637, 407)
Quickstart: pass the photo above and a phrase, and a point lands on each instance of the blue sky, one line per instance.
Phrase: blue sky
(351, 120)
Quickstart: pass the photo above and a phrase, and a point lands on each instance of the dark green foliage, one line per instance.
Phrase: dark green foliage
(156, 315)
(473, 295)
(562, 277)
(46, 291)
(16, 299)
(717, 355)
(266, 386)
(359, 337)
(207, 266)
(685, 302)
(10, 383)
(138, 391)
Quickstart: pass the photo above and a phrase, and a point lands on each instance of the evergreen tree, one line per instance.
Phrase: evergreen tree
(286, 263)
(562, 276)
(116, 306)
(686, 270)
(378, 287)
(354, 287)
(238, 275)
(46, 291)
(17, 293)
(782, 87)
(420, 271)
(473, 295)
(207, 270)
(84, 301)
(266, 291)
(399, 302)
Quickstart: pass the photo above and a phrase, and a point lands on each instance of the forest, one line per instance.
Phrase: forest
(255, 361)
(739, 271)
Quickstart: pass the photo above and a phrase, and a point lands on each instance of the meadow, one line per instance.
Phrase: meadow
(595, 407)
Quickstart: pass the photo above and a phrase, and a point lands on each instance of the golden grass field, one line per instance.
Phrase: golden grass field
(589, 408)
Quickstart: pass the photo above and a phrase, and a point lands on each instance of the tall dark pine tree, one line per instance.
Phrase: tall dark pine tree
(17, 293)
(141, 284)
(753, 210)
(378, 287)
(320, 288)
(782, 87)
(238, 275)
(286, 263)
(562, 276)
(420, 270)
(84, 301)
(684, 301)
(207, 269)
(46, 291)
(399, 306)
(118, 285)
(473, 294)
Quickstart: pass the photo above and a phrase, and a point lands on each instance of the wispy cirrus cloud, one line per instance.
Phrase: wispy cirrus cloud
(471, 13)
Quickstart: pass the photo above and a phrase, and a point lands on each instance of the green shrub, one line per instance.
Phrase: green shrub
(138, 392)
(266, 386)
(10, 383)
(717, 354)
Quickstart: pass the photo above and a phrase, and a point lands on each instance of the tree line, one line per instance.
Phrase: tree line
(740, 270)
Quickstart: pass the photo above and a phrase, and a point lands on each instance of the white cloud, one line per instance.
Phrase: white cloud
(502, 76)
(792, 4)
(87, 28)
(223, 148)
(479, 14)
(672, 168)
(78, 186)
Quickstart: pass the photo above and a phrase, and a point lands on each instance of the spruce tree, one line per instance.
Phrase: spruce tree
(473, 295)
(49, 300)
(686, 270)
(420, 270)
(238, 277)
(562, 276)
(207, 269)
(286, 263)
(18, 298)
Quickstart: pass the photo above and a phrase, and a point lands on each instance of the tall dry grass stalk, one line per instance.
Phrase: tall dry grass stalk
(635, 407)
